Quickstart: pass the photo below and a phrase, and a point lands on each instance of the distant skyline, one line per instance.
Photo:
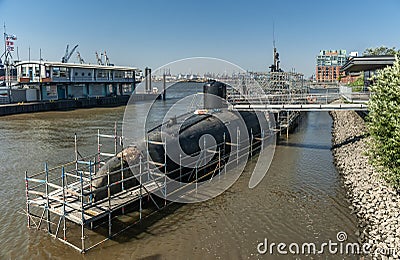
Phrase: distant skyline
(153, 33)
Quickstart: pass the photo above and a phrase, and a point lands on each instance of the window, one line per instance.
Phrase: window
(63, 72)
(119, 74)
(76, 73)
(83, 74)
(129, 74)
(56, 72)
(24, 74)
(101, 74)
(89, 74)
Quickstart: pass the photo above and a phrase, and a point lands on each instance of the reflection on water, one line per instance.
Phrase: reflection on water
(300, 199)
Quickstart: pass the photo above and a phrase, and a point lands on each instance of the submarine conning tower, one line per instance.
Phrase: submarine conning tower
(214, 95)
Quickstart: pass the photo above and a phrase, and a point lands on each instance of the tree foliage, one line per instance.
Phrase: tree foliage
(358, 82)
(384, 123)
(379, 51)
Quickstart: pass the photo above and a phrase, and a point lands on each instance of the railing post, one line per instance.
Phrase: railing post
(27, 199)
(90, 182)
(180, 168)
(140, 186)
(288, 124)
(82, 215)
(219, 163)
(98, 148)
(225, 155)
(165, 172)
(109, 202)
(47, 198)
(251, 142)
(262, 139)
(122, 171)
(63, 195)
(237, 144)
(115, 138)
(196, 178)
(205, 154)
(76, 153)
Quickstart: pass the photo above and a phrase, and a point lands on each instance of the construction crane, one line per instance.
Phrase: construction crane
(67, 54)
(81, 61)
(106, 59)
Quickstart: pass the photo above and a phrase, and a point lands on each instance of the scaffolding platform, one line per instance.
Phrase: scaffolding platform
(63, 198)
(92, 211)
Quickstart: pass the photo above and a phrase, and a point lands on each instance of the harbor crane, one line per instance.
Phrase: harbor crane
(68, 54)
(106, 59)
(80, 59)
(99, 61)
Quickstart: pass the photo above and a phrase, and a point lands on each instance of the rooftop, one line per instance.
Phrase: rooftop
(78, 65)
(365, 63)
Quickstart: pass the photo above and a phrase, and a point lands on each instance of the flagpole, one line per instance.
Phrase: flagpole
(6, 62)
(4, 35)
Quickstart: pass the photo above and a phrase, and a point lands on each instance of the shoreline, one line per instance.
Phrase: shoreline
(375, 204)
(72, 104)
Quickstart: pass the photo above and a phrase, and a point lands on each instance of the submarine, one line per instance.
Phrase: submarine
(223, 129)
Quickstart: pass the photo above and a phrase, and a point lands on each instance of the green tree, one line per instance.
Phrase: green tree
(359, 82)
(384, 123)
(379, 51)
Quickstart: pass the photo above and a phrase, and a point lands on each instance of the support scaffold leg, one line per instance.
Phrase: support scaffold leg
(27, 199)
(47, 199)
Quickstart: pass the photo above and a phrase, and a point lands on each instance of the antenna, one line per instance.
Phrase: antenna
(274, 67)
(273, 33)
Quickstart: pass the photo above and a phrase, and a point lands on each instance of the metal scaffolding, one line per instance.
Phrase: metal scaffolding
(61, 199)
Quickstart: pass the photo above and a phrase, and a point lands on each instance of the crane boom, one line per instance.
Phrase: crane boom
(80, 59)
(72, 51)
(65, 55)
(68, 54)
(98, 59)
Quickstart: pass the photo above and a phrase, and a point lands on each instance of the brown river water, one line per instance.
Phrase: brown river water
(301, 199)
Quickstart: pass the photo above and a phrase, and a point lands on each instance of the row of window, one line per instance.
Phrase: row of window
(83, 74)
(62, 72)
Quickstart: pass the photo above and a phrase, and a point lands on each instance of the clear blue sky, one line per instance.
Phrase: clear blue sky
(152, 33)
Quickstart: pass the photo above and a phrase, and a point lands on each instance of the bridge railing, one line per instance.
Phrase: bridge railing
(354, 97)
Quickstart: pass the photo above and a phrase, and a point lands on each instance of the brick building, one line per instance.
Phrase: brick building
(328, 66)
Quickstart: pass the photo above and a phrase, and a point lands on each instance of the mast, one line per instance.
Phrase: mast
(274, 67)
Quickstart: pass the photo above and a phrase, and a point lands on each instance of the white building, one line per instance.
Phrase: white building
(56, 80)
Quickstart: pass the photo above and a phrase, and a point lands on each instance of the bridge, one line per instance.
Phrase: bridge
(302, 102)
(299, 107)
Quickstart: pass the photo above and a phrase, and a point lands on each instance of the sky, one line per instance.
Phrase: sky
(153, 33)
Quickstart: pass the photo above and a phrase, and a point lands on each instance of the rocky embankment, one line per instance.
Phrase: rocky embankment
(376, 205)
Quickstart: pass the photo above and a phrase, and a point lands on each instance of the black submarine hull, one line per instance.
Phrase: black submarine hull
(187, 131)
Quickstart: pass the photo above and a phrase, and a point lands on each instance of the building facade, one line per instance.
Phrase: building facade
(328, 66)
(56, 80)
